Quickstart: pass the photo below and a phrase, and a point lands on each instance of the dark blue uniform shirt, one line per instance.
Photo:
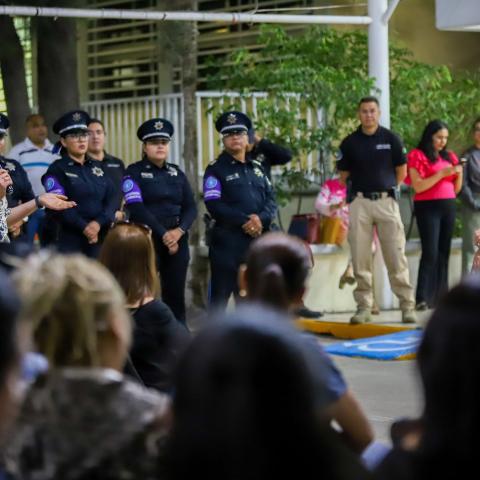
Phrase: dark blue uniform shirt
(268, 154)
(159, 197)
(22, 189)
(115, 169)
(86, 184)
(233, 190)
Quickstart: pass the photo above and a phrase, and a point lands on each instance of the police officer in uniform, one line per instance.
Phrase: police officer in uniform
(239, 197)
(157, 194)
(84, 181)
(113, 166)
(373, 159)
(21, 191)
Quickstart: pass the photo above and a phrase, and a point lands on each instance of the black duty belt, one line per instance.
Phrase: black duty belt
(376, 195)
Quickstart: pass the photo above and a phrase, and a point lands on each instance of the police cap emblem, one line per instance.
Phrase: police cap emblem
(232, 118)
(77, 117)
(158, 125)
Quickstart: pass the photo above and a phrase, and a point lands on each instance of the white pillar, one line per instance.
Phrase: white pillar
(378, 55)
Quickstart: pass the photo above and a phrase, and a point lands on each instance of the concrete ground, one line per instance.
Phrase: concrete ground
(387, 390)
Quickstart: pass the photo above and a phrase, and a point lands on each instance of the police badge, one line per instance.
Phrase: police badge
(158, 125)
(232, 118)
(77, 117)
(97, 171)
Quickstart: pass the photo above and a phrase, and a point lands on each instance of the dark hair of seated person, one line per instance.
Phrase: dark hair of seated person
(449, 364)
(277, 267)
(244, 408)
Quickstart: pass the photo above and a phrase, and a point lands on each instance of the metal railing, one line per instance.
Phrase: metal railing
(123, 117)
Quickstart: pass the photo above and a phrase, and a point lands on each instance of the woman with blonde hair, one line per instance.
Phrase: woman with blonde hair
(158, 338)
(83, 418)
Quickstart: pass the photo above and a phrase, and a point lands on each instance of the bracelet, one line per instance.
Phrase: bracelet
(37, 202)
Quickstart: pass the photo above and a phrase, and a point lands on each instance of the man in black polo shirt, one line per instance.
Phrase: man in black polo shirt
(373, 159)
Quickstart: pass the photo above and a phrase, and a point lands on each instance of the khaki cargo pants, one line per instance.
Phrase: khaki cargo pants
(384, 213)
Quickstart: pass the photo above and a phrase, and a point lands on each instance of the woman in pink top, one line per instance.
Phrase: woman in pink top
(436, 177)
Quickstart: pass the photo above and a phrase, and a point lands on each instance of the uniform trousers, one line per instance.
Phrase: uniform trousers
(435, 221)
(75, 242)
(173, 275)
(470, 223)
(227, 251)
(384, 213)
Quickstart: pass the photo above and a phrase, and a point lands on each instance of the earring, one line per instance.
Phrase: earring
(242, 293)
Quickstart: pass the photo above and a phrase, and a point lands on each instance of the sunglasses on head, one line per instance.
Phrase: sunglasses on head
(141, 226)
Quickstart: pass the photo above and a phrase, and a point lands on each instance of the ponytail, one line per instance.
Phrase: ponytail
(271, 287)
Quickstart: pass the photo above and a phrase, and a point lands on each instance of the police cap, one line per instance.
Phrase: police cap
(155, 128)
(233, 122)
(4, 124)
(72, 121)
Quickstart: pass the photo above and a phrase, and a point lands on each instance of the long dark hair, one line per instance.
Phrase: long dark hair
(449, 364)
(244, 407)
(277, 268)
(426, 142)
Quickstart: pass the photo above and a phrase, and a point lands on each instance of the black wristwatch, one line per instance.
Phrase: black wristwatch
(37, 203)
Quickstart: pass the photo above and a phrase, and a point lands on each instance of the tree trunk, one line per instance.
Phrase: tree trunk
(12, 68)
(186, 41)
(58, 89)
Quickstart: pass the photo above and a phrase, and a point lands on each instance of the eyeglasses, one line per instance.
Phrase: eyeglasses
(78, 136)
(141, 226)
(234, 134)
(158, 141)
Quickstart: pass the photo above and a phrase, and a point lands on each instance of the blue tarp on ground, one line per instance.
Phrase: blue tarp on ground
(385, 347)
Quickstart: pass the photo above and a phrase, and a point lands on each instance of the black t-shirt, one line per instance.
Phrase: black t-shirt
(115, 169)
(371, 159)
(158, 341)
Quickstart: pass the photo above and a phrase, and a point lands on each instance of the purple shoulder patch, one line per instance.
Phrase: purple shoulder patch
(131, 191)
(212, 188)
(52, 185)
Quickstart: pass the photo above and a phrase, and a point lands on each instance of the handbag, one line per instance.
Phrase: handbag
(305, 226)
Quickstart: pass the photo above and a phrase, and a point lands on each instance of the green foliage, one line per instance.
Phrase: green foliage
(321, 68)
(325, 67)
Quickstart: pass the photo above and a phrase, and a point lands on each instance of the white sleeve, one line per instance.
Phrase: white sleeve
(323, 201)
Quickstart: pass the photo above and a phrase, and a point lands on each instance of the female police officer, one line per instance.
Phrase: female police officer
(158, 194)
(83, 180)
(239, 197)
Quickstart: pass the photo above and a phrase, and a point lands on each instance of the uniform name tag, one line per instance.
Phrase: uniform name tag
(68, 174)
(113, 165)
(232, 177)
(146, 175)
(383, 146)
